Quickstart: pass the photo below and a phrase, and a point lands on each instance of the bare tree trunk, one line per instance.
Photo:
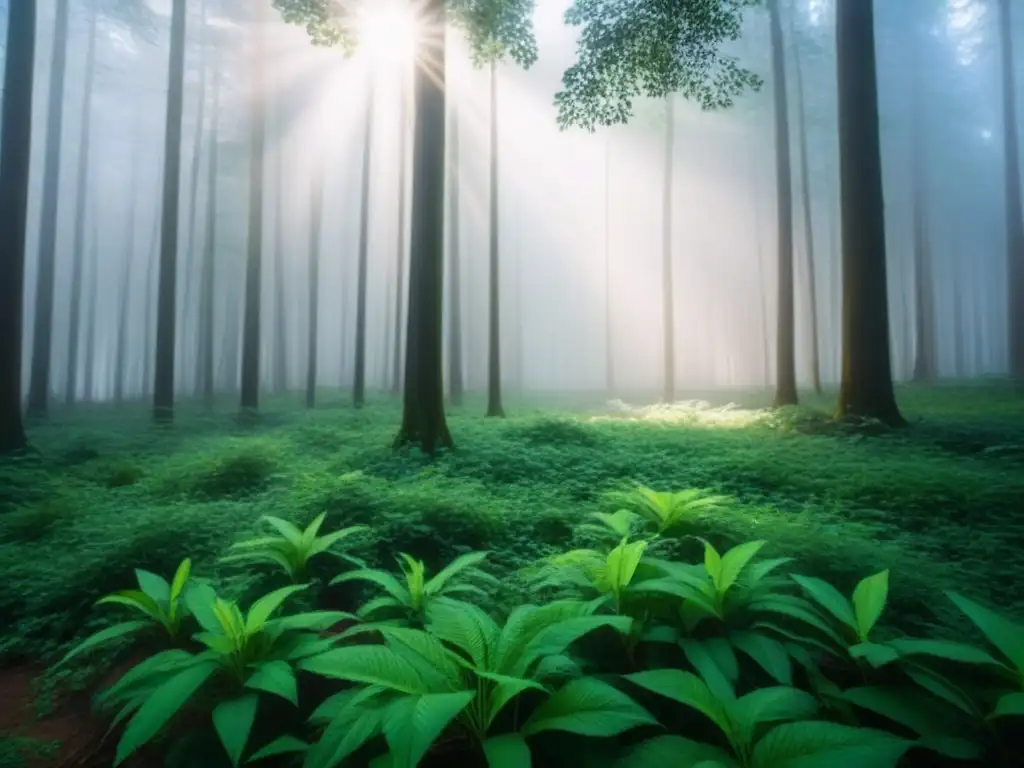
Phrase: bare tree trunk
(209, 276)
(400, 293)
(359, 374)
(89, 372)
(494, 407)
(121, 351)
(315, 224)
(609, 345)
(667, 282)
(455, 373)
(280, 358)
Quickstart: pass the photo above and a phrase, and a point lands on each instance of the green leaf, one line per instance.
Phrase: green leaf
(812, 744)
(276, 677)
(941, 687)
(554, 639)
(435, 663)
(829, 598)
(507, 751)
(157, 665)
(382, 579)
(734, 561)
(370, 664)
(713, 564)
(464, 626)
(261, 610)
(589, 707)
(768, 652)
(1010, 704)
(288, 530)
(104, 635)
(794, 608)
(315, 621)
(875, 654)
(160, 707)
(324, 543)
(685, 688)
(704, 662)
(869, 598)
(180, 577)
(200, 600)
(233, 722)
(507, 688)
(769, 705)
(622, 564)
(942, 649)
(282, 745)
(309, 535)
(137, 599)
(412, 724)
(672, 751)
(344, 735)
(1000, 631)
(756, 572)
(456, 566)
(155, 586)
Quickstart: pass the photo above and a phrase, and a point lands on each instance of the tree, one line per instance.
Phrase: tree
(81, 197)
(209, 272)
(455, 373)
(400, 293)
(785, 352)
(494, 407)
(668, 286)
(15, 150)
(315, 224)
(163, 382)
(924, 287)
(1014, 215)
(121, 349)
(359, 374)
(609, 321)
(866, 385)
(42, 336)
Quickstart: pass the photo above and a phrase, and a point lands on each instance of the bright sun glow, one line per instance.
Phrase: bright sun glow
(388, 32)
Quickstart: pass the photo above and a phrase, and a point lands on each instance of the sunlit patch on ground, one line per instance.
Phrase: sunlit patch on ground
(698, 413)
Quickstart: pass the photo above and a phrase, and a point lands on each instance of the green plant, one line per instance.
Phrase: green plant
(293, 548)
(414, 593)
(661, 512)
(249, 654)
(161, 603)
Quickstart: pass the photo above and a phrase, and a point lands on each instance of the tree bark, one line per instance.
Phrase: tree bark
(121, 350)
(494, 407)
(209, 276)
(423, 417)
(785, 367)
(81, 197)
(400, 292)
(667, 282)
(315, 224)
(455, 373)
(280, 358)
(42, 337)
(15, 151)
(866, 387)
(924, 286)
(89, 370)
(163, 382)
(609, 345)
(359, 373)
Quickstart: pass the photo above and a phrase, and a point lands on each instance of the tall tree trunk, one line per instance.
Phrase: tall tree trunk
(959, 324)
(423, 417)
(400, 292)
(494, 407)
(609, 345)
(280, 312)
(42, 337)
(89, 388)
(924, 285)
(209, 275)
(81, 197)
(15, 150)
(667, 282)
(455, 374)
(1014, 220)
(151, 291)
(359, 374)
(254, 262)
(163, 383)
(315, 224)
(805, 198)
(124, 301)
(785, 352)
(866, 387)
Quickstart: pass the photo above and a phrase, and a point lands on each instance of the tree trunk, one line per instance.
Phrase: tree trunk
(315, 224)
(207, 282)
(609, 347)
(805, 196)
(121, 349)
(151, 290)
(42, 337)
(81, 197)
(1014, 220)
(359, 373)
(455, 385)
(15, 150)
(163, 383)
(280, 312)
(89, 372)
(785, 352)
(866, 387)
(254, 262)
(667, 283)
(494, 407)
(400, 292)
(423, 417)
(924, 285)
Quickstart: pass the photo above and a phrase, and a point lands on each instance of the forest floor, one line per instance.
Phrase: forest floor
(941, 503)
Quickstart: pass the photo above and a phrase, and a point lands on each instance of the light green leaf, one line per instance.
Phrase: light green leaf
(757, 571)
(829, 598)
(343, 736)
(137, 599)
(456, 566)
(160, 707)
(382, 579)
(412, 724)
(1009, 704)
(555, 638)
(313, 621)
(713, 564)
(589, 707)
(506, 689)
(276, 677)
(705, 663)
(622, 564)
(817, 744)
(153, 585)
(180, 577)
(103, 636)
(326, 542)
(673, 752)
(465, 626)
(370, 664)
(436, 664)
(558, 665)
(734, 561)
(309, 535)
(1005, 635)
(283, 745)
(869, 598)
(769, 705)
(942, 649)
(288, 530)
(200, 599)
(370, 607)
(685, 688)
(145, 672)
(233, 721)
(768, 652)
(875, 654)
(507, 751)
(261, 610)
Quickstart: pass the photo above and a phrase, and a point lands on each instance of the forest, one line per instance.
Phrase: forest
(502, 383)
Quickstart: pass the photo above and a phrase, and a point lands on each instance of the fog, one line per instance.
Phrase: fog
(580, 214)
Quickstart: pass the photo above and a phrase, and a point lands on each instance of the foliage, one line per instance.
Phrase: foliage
(650, 48)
